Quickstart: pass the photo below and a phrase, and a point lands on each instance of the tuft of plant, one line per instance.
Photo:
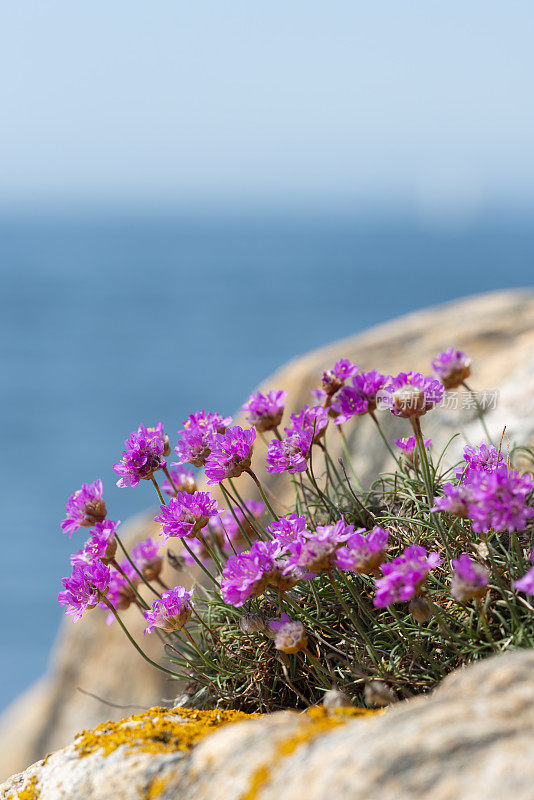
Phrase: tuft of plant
(370, 595)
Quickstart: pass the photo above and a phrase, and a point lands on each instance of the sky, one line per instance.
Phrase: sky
(426, 104)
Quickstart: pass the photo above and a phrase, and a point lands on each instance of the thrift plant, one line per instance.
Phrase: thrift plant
(374, 593)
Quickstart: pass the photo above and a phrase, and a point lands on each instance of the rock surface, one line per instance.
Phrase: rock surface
(497, 330)
(472, 738)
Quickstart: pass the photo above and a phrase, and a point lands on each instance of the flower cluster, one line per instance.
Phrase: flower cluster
(405, 575)
(85, 507)
(408, 445)
(411, 394)
(363, 552)
(143, 456)
(170, 612)
(452, 367)
(231, 454)
(491, 495)
(181, 479)
(186, 514)
(360, 397)
(197, 433)
(265, 411)
(469, 580)
(84, 588)
(347, 546)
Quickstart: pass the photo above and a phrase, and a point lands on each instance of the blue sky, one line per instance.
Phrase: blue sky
(420, 103)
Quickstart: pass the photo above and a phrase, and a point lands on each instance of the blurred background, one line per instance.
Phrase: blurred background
(193, 193)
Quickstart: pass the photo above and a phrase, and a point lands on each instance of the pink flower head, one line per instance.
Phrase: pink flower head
(143, 456)
(290, 636)
(455, 501)
(289, 454)
(197, 433)
(183, 480)
(288, 530)
(84, 587)
(309, 420)
(484, 458)
(500, 500)
(170, 612)
(85, 507)
(102, 543)
(410, 394)
(265, 410)
(146, 558)
(120, 593)
(451, 367)
(360, 397)
(363, 553)
(469, 580)
(526, 583)
(333, 379)
(231, 454)
(408, 446)
(186, 514)
(404, 576)
(246, 575)
(156, 432)
(317, 552)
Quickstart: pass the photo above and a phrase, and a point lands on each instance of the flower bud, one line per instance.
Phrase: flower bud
(335, 698)
(378, 693)
(251, 623)
(420, 610)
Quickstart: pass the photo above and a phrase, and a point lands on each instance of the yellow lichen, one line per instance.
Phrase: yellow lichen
(158, 730)
(30, 792)
(315, 721)
(157, 785)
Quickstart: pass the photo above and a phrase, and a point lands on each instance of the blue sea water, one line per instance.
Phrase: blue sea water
(112, 319)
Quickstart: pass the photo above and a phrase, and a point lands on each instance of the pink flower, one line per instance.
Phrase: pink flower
(83, 589)
(452, 367)
(183, 480)
(359, 398)
(170, 612)
(85, 507)
(470, 580)
(186, 514)
(404, 576)
(410, 394)
(231, 454)
(265, 410)
(363, 553)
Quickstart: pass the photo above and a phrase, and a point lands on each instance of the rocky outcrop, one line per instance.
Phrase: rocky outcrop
(472, 738)
(497, 330)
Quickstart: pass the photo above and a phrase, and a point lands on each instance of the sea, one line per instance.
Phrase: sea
(113, 317)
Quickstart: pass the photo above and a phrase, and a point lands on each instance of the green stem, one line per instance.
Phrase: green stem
(370, 646)
(480, 411)
(124, 550)
(132, 641)
(349, 458)
(381, 432)
(264, 497)
(158, 491)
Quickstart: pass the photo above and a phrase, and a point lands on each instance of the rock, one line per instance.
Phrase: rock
(472, 738)
(497, 330)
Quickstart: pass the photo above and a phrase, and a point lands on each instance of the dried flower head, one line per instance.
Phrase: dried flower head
(469, 580)
(452, 367)
(290, 636)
